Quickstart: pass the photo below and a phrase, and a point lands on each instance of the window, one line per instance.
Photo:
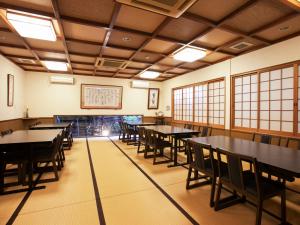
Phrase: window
(264, 100)
(202, 103)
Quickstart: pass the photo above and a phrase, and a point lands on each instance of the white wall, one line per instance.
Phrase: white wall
(44, 99)
(280, 53)
(17, 110)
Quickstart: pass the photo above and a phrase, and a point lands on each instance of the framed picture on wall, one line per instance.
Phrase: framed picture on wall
(94, 96)
(153, 98)
(10, 90)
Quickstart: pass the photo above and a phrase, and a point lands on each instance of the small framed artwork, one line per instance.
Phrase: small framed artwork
(10, 90)
(153, 98)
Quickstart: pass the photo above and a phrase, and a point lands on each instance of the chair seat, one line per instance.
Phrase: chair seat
(269, 187)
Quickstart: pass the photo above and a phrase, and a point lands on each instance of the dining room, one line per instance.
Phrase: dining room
(150, 112)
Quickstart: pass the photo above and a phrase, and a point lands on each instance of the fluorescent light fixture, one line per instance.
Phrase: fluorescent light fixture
(189, 54)
(149, 74)
(32, 26)
(56, 66)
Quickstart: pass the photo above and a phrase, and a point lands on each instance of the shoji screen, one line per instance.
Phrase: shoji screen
(246, 100)
(277, 100)
(216, 102)
(201, 103)
(177, 113)
(187, 104)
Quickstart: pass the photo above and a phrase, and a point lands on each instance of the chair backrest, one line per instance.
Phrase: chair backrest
(150, 138)
(264, 138)
(142, 133)
(204, 163)
(205, 131)
(5, 132)
(293, 143)
(234, 174)
(188, 126)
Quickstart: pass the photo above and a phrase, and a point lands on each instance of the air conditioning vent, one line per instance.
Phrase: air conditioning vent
(111, 63)
(173, 8)
(241, 45)
(26, 61)
(140, 84)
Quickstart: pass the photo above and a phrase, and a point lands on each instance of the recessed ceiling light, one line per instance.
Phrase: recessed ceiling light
(32, 26)
(189, 54)
(149, 74)
(126, 39)
(284, 28)
(56, 66)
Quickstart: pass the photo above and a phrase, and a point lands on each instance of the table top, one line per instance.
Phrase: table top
(280, 157)
(171, 130)
(141, 124)
(50, 125)
(29, 136)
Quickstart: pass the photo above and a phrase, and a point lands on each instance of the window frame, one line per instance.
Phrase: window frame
(295, 132)
(194, 102)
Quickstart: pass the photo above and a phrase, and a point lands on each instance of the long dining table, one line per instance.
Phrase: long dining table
(177, 133)
(47, 126)
(25, 139)
(281, 160)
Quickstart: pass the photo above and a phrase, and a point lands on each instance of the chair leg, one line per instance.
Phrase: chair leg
(55, 169)
(218, 196)
(212, 192)
(154, 155)
(188, 178)
(2, 169)
(139, 146)
(283, 207)
(259, 212)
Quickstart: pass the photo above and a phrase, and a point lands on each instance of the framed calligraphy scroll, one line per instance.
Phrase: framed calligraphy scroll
(94, 96)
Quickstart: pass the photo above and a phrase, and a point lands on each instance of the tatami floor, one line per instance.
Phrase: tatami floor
(127, 195)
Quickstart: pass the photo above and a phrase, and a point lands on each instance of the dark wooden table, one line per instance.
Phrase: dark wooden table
(177, 133)
(50, 126)
(25, 139)
(285, 159)
(141, 124)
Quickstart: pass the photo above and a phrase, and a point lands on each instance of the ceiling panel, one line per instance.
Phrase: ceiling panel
(169, 61)
(79, 48)
(39, 67)
(215, 38)
(161, 68)
(260, 14)
(137, 65)
(51, 55)
(79, 58)
(159, 46)
(105, 74)
(146, 57)
(83, 32)
(16, 51)
(193, 65)
(41, 5)
(83, 72)
(126, 39)
(123, 76)
(131, 71)
(215, 9)
(82, 66)
(254, 43)
(214, 57)
(182, 29)
(40, 44)
(107, 69)
(10, 38)
(94, 10)
(281, 30)
(112, 52)
(138, 19)
(178, 71)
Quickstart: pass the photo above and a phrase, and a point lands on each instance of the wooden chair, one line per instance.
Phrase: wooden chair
(49, 154)
(68, 137)
(142, 138)
(205, 131)
(5, 132)
(122, 130)
(249, 184)
(202, 163)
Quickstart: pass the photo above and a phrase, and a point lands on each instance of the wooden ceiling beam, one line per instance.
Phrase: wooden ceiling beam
(57, 17)
(293, 4)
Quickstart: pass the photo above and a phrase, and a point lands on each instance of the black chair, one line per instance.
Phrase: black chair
(249, 184)
(205, 131)
(68, 137)
(188, 126)
(203, 163)
(49, 154)
(157, 144)
(142, 138)
(130, 134)
(121, 131)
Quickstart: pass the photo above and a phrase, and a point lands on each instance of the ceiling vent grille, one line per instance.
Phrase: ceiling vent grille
(173, 8)
(26, 61)
(111, 63)
(241, 46)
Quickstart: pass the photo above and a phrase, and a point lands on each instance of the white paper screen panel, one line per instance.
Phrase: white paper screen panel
(246, 101)
(187, 103)
(178, 104)
(201, 103)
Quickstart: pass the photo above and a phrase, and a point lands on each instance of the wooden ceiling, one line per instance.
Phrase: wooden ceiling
(91, 29)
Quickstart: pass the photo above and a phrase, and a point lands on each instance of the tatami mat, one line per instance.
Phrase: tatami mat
(127, 196)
